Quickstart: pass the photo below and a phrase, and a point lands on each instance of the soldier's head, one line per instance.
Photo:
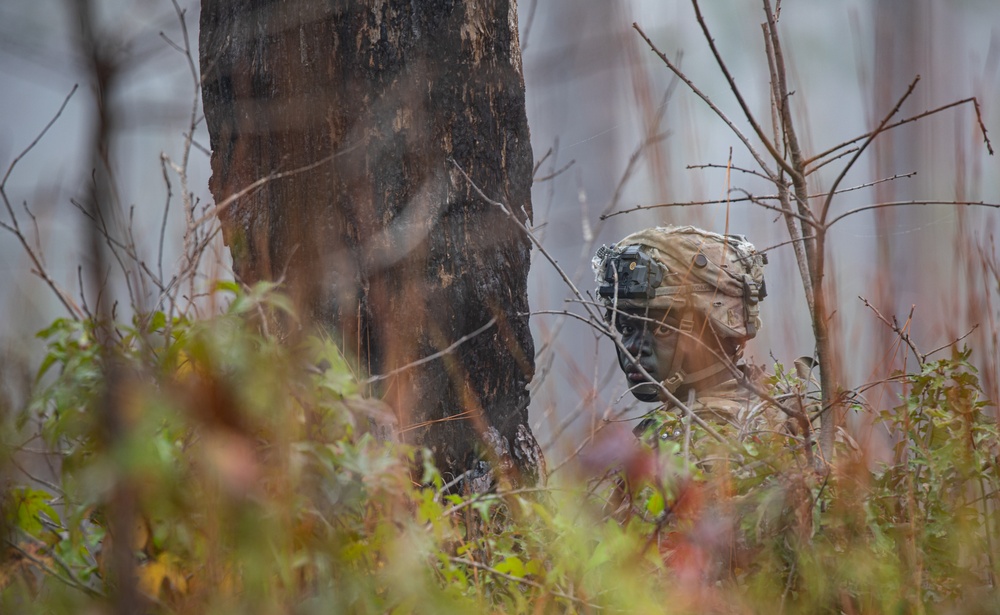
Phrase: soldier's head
(685, 302)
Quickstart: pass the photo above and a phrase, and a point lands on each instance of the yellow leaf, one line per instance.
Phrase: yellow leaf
(174, 575)
(185, 366)
(151, 575)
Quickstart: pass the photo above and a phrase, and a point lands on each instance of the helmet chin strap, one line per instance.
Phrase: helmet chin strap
(678, 377)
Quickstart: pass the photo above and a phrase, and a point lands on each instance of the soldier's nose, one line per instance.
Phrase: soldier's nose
(633, 343)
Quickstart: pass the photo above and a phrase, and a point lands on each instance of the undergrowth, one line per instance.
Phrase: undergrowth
(262, 483)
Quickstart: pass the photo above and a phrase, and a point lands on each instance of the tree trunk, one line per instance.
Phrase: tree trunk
(355, 110)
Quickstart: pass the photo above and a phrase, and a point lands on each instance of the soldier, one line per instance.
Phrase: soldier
(685, 302)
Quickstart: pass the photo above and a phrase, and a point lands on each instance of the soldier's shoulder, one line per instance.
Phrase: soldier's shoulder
(720, 410)
(726, 404)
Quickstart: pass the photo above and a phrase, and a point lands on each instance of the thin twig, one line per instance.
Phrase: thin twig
(811, 257)
(708, 101)
(851, 212)
(630, 167)
(166, 210)
(777, 157)
(14, 227)
(824, 210)
(785, 198)
(903, 335)
(34, 142)
(605, 216)
(34, 227)
(819, 166)
(536, 585)
(953, 342)
(728, 168)
(785, 243)
(221, 207)
(485, 495)
(540, 162)
(972, 99)
(69, 580)
(555, 174)
(803, 215)
(796, 168)
(437, 355)
(99, 223)
(521, 225)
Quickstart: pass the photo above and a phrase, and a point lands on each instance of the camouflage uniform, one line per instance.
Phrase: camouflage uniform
(738, 414)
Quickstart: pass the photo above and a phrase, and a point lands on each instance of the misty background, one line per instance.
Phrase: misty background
(615, 131)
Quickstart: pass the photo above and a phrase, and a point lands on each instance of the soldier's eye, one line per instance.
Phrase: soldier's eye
(666, 327)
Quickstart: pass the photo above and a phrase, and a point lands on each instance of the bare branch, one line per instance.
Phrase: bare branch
(437, 355)
(681, 204)
(633, 161)
(799, 245)
(785, 243)
(221, 207)
(69, 580)
(902, 203)
(780, 87)
(971, 99)
(39, 268)
(728, 168)
(868, 184)
(811, 258)
(201, 148)
(953, 342)
(881, 127)
(555, 174)
(757, 200)
(982, 126)
(34, 142)
(708, 101)
(775, 155)
(903, 335)
(520, 225)
(785, 209)
(35, 254)
(540, 162)
(166, 210)
(846, 152)
(34, 226)
(535, 584)
(171, 43)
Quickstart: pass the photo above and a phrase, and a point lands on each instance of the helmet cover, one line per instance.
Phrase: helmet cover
(682, 267)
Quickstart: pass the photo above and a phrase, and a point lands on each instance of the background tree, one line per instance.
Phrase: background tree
(341, 134)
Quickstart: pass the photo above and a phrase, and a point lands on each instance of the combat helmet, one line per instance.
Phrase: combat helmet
(684, 269)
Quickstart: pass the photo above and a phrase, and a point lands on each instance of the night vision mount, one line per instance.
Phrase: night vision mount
(637, 275)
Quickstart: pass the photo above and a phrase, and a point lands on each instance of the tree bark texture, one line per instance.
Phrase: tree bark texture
(355, 110)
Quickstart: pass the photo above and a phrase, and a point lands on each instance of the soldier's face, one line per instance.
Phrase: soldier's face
(651, 338)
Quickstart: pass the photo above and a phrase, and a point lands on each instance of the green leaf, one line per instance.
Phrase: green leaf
(429, 510)
(227, 286)
(158, 321)
(655, 504)
(513, 566)
(27, 503)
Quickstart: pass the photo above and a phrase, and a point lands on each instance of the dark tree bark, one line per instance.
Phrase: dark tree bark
(355, 110)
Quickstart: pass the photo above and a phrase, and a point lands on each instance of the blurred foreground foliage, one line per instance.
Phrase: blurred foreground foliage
(264, 484)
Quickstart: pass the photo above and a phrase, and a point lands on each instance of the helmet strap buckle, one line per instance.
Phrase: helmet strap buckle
(674, 382)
